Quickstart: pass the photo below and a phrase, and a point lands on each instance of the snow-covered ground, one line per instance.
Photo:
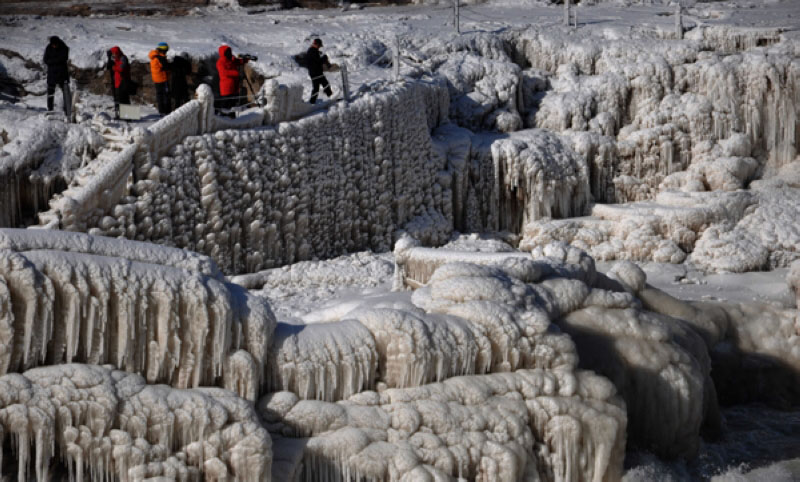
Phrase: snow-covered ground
(567, 152)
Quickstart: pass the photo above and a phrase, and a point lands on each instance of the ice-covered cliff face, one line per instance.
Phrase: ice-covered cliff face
(95, 423)
(159, 312)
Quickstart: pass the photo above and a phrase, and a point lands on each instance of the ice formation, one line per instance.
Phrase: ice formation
(481, 372)
(529, 424)
(68, 299)
(95, 423)
(752, 347)
(40, 157)
(336, 182)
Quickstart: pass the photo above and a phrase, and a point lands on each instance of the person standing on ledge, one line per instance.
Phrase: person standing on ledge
(159, 66)
(229, 78)
(121, 76)
(316, 63)
(56, 57)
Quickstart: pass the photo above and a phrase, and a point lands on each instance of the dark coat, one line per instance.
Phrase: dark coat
(315, 62)
(56, 59)
(180, 69)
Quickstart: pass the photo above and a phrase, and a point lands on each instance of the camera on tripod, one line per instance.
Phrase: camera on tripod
(248, 57)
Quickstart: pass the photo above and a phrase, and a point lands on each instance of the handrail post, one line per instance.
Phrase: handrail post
(345, 84)
(396, 59)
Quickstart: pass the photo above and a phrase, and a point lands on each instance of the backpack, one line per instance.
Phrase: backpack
(301, 60)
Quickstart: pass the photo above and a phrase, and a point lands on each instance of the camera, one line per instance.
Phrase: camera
(248, 57)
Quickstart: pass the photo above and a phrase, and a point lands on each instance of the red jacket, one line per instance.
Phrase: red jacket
(120, 66)
(228, 69)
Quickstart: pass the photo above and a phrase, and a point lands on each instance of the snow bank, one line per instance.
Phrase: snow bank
(167, 323)
(548, 425)
(95, 423)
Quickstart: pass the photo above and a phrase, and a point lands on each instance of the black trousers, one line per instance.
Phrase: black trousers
(162, 98)
(65, 94)
(180, 95)
(122, 95)
(316, 83)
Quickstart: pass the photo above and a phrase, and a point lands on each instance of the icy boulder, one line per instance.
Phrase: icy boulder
(322, 361)
(95, 423)
(754, 347)
(483, 92)
(528, 424)
(767, 237)
(68, 298)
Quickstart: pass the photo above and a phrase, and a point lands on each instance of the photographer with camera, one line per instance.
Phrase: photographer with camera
(120, 70)
(230, 75)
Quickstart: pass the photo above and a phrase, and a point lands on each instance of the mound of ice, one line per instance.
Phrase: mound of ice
(529, 424)
(483, 92)
(767, 237)
(95, 423)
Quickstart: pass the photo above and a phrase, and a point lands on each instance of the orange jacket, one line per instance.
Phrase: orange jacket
(158, 66)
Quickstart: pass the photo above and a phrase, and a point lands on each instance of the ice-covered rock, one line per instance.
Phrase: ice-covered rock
(664, 231)
(754, 347)
(95, 423)
(484, 92)
(72, 298)
(528, 424)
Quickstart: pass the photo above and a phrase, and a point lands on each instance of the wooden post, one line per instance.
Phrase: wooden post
(678, 21)
(345, 85)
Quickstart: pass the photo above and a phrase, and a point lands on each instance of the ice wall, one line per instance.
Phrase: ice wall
(529, 424)
(339, 181)
(95, 423)
(502, 182)
(660, 99)
(149, 314)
